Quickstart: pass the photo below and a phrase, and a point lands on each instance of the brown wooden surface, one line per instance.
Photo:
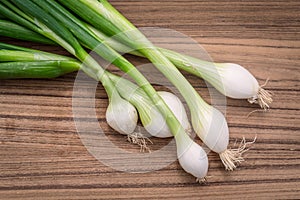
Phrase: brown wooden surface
(41, 154)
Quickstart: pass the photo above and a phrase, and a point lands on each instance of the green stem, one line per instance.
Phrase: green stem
(138, 41)
(47, 21)
(50, 67)
(64, 38)
(203, 69)
(18, 55)
(18, 16)
(9, 29)
(109, 54)
(37, 69)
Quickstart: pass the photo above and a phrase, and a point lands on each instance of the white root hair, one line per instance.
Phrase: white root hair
(254, 111)
(231, 158)
(201, 180)
(140, 140)
(263, 98)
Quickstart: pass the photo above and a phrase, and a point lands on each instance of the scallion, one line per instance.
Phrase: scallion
(62, 36)
(7, 29)
(53, 22)
(209, 123)
(37, 69)
(230, 79)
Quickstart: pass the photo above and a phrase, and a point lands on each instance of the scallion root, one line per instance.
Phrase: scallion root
(254, 111)
(231, 158)
(263, 97)
(201, 180)
(140, 140)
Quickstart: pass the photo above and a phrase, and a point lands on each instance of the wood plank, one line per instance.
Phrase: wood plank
(42, 155)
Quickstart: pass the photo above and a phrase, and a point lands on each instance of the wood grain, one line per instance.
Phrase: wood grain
(41, 154)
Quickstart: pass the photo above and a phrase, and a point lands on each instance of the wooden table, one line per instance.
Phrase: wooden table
(42, 156)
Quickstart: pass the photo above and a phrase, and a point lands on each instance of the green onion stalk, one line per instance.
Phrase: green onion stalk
(7, 29)
(62, 36)
(150, 116)
(218, 75)
(29, 63)
(20, 62)
(90, 40)
(209, 123)
(31, 69)
(222, 76)
(185, 145)
(10, 53)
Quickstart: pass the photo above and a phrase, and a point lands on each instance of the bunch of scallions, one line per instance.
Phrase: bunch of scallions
(77, 25)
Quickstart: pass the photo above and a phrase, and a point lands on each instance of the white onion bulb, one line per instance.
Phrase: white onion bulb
(211, 126)
(235, 81)
(121, 115)
(156, 125)
(192, 158)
